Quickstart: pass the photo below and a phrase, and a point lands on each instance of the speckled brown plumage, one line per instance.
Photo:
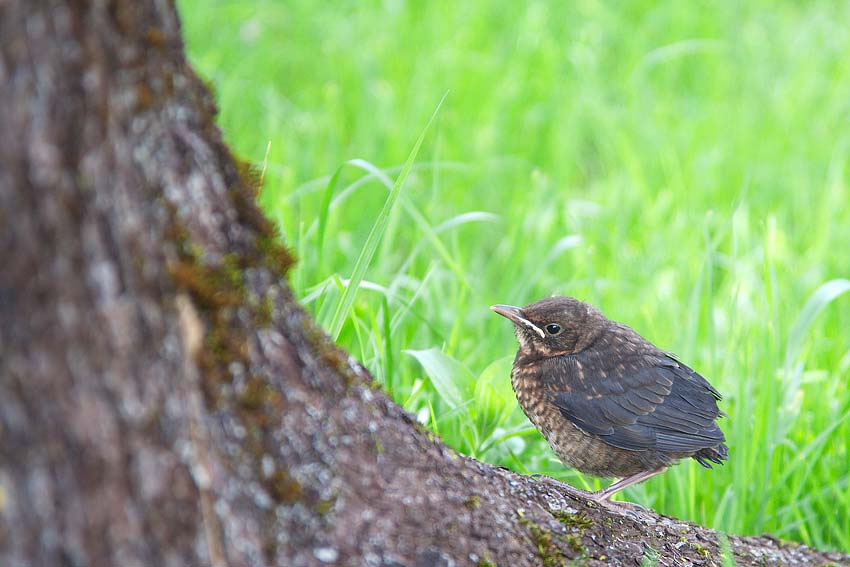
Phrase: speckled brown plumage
(608, 401)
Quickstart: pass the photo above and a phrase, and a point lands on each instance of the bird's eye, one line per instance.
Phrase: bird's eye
(553, 329)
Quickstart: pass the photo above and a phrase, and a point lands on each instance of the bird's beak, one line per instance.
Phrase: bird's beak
(515, 315)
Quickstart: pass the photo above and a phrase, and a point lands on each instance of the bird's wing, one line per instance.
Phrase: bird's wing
(647, 401)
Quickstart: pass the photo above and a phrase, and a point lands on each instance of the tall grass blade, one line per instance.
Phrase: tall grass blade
(823, 296)
(374, 238)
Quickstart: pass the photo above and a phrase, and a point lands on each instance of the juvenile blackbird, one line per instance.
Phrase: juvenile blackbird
(609, 402)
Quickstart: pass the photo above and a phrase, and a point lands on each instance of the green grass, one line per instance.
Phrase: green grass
(682, 166)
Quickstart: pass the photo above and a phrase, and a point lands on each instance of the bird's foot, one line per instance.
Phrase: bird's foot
(601, 498)
(630, 509)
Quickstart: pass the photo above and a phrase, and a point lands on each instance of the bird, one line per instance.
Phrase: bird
(609, 402)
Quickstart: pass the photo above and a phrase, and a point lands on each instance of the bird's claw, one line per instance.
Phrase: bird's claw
(630, 509)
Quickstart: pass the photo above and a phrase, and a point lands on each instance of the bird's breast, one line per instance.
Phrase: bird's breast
(529, 392)
(532, 385)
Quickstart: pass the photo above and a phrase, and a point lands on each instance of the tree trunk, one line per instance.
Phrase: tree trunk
(164, 400)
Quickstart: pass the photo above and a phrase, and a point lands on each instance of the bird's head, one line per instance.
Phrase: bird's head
(554, 326)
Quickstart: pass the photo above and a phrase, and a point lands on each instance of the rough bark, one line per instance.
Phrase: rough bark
(164, 400)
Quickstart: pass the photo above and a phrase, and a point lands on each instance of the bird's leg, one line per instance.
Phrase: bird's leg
(605, 494)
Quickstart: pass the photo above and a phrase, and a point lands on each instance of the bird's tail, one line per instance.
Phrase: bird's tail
(716, 455)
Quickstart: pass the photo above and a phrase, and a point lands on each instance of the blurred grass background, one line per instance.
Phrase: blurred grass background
(682, 166)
